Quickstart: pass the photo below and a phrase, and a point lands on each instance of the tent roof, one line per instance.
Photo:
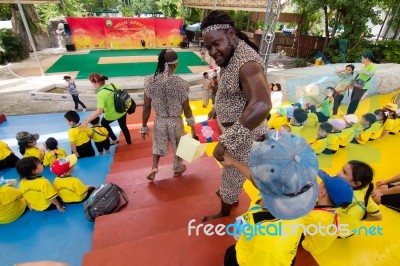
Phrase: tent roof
(29, 1)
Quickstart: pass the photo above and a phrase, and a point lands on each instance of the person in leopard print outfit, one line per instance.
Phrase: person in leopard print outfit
(242, 102)
(169, 96)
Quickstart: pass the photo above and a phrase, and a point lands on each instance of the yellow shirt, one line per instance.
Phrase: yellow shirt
(12, 204)
(377, 129)
(5, 151)
(318, 242)
(346, 136)
(267, 250)
(277, 122)
(99, 133)
(51, 156)
(70, 189)
(353, 214)
(34, 152)
(389, 125)
(396, 126)
(363, 135)
(332, 141)
(312, 120)
(79, 136)
(38, 192)
(319, 145)
(296, 129)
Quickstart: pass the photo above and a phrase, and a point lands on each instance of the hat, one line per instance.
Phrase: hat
(337, 123)
(391, 107)
(358, 83)
(297, 105)
(26, 137)
(284, 168)
(338, 188)
(281, 110)
(351, 119)
(62, 165)
(66, 77)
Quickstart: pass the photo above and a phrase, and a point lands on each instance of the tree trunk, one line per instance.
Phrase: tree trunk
(396, 32)
(383, 24)
(326, 28)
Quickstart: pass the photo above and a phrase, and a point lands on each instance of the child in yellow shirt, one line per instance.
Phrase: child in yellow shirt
(69, 188)
(377, 127)
(27, 145)
(279, 120)
(320, 144)
(296, 122)
(100, 136)
(347, 134)
(7, 157)
(12, 204)
(364, 131)
(79, 137)
(389, 120)
(53, 152)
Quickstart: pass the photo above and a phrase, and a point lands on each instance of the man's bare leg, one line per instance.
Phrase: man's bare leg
(154, 169)
(225, 211)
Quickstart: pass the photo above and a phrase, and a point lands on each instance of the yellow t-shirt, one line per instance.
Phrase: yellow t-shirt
(70, 189)
(363, 135)
(4, 150)
(34, 152)
(99, 133)
(332, 141)
(377, 129)
(296, 129)
(38, 192)
(12, 204)
(389, 125)
(79, 136)
(353, 214)
(277, 122)
(267, 250)
(396, 126)
(312, 120)
(51, 156)
(319, 145)
(346, 136)
(318, 242)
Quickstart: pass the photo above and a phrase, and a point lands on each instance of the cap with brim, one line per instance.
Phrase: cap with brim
(282, 110)
(338, 188)
(351, 119)
(298, 105)
(337, 123)
(61, 166)
(26, 137)
(391, 107)
(284, 169)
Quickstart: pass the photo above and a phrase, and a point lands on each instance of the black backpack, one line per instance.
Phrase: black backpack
(104, 200)
(123, 101)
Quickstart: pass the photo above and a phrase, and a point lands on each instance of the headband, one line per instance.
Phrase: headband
(216, 27)
(172, 63)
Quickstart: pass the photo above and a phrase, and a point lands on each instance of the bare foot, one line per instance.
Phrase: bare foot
(213, 217)
(152, 174)
(183, 167)
(219, 195)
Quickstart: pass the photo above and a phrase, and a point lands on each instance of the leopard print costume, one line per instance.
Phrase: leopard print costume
(229, 105)
(167, 95)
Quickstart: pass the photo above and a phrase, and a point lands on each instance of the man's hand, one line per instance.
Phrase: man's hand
(219, 152)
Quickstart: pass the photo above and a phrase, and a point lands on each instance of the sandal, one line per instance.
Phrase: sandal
(183, 167)
(152, 174)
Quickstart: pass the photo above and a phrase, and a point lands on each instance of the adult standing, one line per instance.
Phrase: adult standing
(169, 96)
(242, 102)
(345, 80)
(105, 104)
(365, 76)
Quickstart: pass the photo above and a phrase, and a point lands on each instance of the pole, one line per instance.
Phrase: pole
(215, 5)
(21, 11)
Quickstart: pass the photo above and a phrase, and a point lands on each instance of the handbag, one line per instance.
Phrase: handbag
(208, 131)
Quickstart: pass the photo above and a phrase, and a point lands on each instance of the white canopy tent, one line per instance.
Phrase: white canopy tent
(19, 3)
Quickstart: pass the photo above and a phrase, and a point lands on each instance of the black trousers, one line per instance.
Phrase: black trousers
(9, 161)
(76, 101)
(355, 99)
(337, 100)
(122, 124)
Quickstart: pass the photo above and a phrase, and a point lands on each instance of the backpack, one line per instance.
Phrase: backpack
(122, 101)
(104, 200)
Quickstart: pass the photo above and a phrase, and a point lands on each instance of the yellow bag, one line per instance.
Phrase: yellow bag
(190, 149)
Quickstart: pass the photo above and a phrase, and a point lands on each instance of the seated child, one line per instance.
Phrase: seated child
(27, 145)
(321, 143)
(100, 136)
(363, 132)
(389, 119)
(332, 142)
(79, 137)
(276, 95)
(326, 106)
(347, 133)
(360, 176)
(290, 110)
(12, 204)
(296, 123)
(387, 193)
(69, 188)
(312, 118)
(288, 191)
(285, 128)
(53, 152)
(333, 193)
(377, 127)
(7, 157)
(36, 189)
(279, 120)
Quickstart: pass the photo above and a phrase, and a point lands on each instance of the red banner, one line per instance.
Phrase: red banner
(125, 33)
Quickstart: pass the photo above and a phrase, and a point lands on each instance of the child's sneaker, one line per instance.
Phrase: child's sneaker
(84, 110)
(73, 109)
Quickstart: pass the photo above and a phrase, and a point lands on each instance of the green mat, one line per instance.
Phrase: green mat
(86, 64)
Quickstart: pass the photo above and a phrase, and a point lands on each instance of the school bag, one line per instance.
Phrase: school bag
(105, 200)
(122, 101)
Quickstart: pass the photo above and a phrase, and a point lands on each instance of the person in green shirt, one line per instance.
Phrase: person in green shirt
(326, 106)
(345, 80)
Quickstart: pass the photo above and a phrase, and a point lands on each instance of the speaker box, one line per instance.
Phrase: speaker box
(70, 47)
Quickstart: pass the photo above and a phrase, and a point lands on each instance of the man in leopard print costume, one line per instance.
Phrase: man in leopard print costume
(168, 94)
(242, 102)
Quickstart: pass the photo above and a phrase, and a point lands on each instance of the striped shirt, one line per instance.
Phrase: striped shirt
(72, 87)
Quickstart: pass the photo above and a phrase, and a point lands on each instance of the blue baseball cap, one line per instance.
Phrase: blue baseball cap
(338, 188)
(284, 168)
(297, 105)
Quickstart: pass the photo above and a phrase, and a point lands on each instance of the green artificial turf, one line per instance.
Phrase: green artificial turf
(86, 64)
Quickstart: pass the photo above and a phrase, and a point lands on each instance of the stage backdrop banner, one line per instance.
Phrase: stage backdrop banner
(125, 33)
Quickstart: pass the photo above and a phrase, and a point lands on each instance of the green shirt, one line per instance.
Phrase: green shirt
(105, 101)
(326, 107)
(368, 68)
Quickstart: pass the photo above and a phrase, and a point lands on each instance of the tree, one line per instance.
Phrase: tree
(170, 8)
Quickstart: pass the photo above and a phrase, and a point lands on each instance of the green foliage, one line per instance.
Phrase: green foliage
(170, 8)
(299, 62)
(5, 11)
(391, 51)
(192, 15)
(46, 12)
(14, 49)
(240, 18)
